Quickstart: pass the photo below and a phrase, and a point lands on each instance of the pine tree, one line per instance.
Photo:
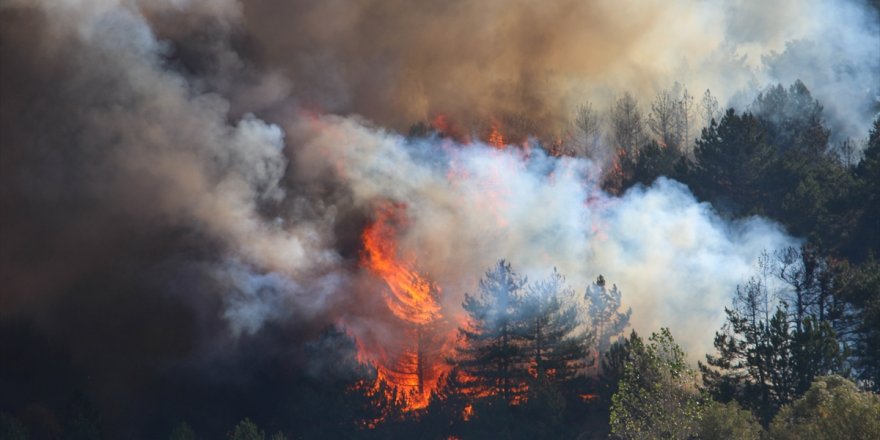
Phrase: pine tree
(792, 119)
(493, 355)
(745, 368)
(550, 321)
(732, 160)
(768, 352)
(606, 318)
(627, 126)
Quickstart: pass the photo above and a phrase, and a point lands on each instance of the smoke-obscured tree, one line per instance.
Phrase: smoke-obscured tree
(810, 285)
(607, 318)
(728, 421)
(686, 117)
(767, 354)
(793, 119)
(848, 152)
(657, 396)
(833, 408)
(556, 348)
(672, 118)
(663, 120)
(586, 131)
(821, 320)
(709, 108)
(753, 361)
(627, 125)
(493, 352)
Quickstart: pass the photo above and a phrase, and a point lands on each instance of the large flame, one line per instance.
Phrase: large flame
(413, 298)
(415, 369)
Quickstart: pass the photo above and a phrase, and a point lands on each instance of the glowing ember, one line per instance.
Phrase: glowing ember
(588, 397)
(496, 139)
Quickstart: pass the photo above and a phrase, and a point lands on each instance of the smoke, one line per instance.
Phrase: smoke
(528, 64)
(183, 184)
(468, 206)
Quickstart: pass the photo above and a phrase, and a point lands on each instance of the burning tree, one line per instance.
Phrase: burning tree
(413, 300)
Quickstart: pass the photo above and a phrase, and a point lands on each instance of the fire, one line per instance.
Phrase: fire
(413, 298)
(496, 139)
(414, 370)
(587, 398)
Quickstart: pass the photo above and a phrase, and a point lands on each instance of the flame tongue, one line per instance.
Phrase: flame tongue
(412, 299)
(412, 296)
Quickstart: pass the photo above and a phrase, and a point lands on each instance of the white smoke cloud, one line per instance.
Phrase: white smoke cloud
(676, 261)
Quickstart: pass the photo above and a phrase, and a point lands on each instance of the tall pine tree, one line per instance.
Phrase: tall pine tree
(493, 356)
(557, 349)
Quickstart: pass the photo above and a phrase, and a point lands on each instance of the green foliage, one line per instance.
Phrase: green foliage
(732, 160)
(728, 421)
(614, 362)
(655, 160)
(182, 432)
(833, 408)
(750, 367)
(860, 287)
(865, 201)
(769, 352)
(246, 430)
(812, 197)
(657, 396)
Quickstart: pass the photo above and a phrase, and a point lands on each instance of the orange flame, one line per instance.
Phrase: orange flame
(496, 139)
(413, 300)
(412, 297)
